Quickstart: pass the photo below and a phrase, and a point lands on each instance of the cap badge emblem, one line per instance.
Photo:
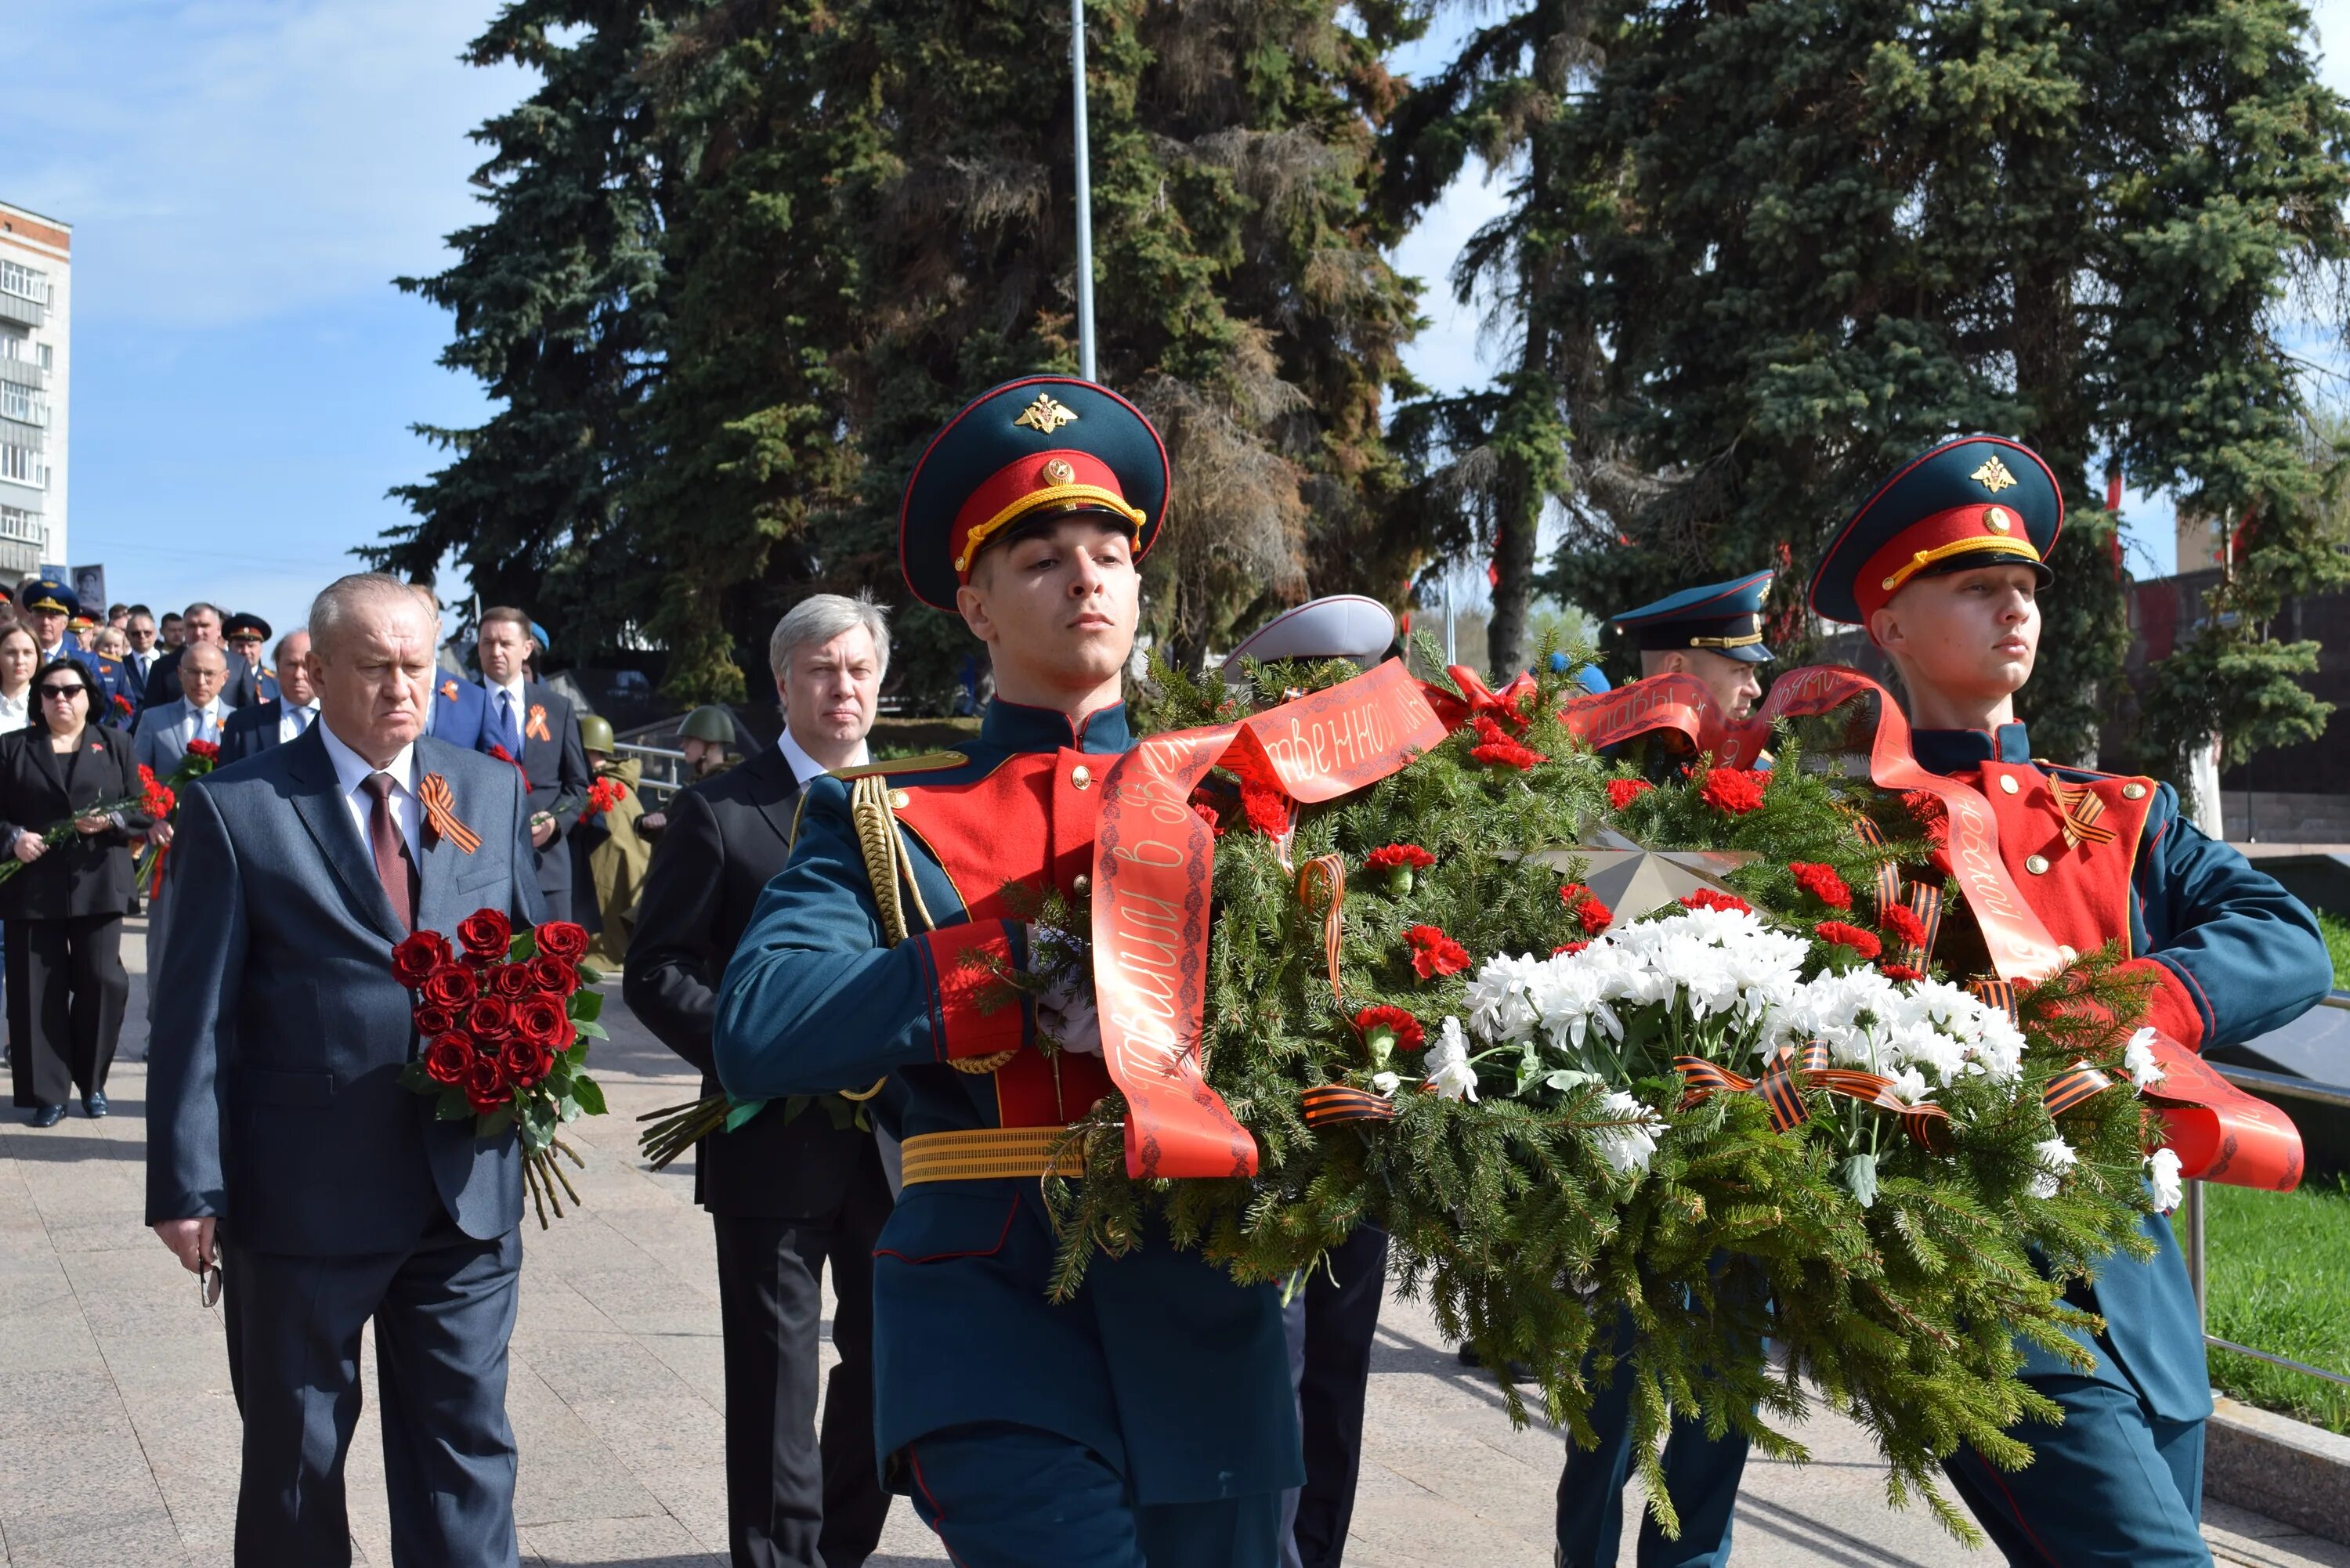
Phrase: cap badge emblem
(1997, 520)
(1992, 475)
(1058, 472)
(1045, 416)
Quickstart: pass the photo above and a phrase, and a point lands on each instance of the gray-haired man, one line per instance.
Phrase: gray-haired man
(784, 1195)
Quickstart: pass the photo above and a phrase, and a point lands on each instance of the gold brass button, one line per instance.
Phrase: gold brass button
(2132, 792)
(1998, 518)
(1081, 884)
(897, 799)
(2036, 864)
(2007, 783)
(1082, 776)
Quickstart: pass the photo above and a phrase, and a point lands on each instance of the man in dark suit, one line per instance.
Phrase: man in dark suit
(202, 623)
(287, 716)
(140, 629)
(789, 1190)
(533, 723)
(459, 712)
(279, 1133)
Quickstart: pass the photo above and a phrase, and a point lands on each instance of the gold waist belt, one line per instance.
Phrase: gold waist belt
(983, 1154)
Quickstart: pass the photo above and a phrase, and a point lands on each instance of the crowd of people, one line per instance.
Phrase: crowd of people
(803, 927)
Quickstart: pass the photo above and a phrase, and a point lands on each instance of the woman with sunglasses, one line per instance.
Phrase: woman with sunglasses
(66, 985)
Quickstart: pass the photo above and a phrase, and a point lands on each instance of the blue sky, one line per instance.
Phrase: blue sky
(244, 177)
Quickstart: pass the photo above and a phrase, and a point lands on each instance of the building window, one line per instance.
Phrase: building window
(20, 404)
(24, 467)
(22, 281)
(17, 524)
(15, 345)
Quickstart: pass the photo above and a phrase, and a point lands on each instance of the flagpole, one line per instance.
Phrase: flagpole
(1085, 193)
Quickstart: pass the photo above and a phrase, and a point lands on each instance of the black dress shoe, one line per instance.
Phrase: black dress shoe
(93, 1105)
(48, 1115)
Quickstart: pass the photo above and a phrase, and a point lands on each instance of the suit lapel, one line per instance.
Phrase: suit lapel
(45, 759)
(319, 801)
(780, 803)
(443, 863)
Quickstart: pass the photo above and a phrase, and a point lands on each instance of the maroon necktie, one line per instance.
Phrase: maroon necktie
(392, 867)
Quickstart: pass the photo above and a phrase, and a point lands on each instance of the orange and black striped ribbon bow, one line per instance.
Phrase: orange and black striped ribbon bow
(1923, 899)
(2080, 814)
(1330, 871)
(2070, 1087)
(440, 813)
(1328, 1104)
(1790, 1073)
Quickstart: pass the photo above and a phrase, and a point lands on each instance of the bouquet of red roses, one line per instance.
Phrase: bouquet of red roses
(160, 803)
(505, 1023)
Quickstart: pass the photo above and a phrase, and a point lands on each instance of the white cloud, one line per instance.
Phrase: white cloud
(227, 160)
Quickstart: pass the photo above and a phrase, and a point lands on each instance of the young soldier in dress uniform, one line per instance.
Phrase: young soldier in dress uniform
(1713, 632)
(1149, 1421)
(1943, 565)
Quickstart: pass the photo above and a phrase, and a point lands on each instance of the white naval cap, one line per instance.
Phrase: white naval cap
(1343, 626)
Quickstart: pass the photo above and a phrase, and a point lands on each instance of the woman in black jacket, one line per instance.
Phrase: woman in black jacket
(64, 907)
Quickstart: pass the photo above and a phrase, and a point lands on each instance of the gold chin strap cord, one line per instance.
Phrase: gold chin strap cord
(888, 865)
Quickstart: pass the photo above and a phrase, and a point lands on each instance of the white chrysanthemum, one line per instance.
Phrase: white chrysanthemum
(1449, 1072)
(1628, 1148)
(1386, 1083)
(1570, 997)
(1911, 1086)
(2162, 1173)
(2137, 1061)
(1499, 1010)
(2055, 1158)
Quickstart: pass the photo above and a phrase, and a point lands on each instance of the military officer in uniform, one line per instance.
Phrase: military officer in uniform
(1943, 565)
(1149, 1420)
(1712, 633)
(245, 633)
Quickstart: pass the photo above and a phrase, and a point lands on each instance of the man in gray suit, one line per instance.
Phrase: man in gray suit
(198, 713)
(280, 1139)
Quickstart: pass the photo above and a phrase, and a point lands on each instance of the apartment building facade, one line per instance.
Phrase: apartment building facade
(35, 315)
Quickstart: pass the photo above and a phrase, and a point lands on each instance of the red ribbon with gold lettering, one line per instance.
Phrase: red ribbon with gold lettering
(1154, 867)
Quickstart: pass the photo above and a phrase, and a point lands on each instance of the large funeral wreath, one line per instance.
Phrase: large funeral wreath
(1739, 1113)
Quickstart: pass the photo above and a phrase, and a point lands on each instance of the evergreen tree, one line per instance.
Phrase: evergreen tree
(1791, 244)
(554, 299)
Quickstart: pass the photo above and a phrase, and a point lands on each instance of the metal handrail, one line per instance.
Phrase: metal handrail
(2285, 1086)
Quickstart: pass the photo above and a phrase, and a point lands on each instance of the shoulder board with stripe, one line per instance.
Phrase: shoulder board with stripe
(927, 762)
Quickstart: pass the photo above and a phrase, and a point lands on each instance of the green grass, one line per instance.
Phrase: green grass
(2337, 943)
(2278, 1280)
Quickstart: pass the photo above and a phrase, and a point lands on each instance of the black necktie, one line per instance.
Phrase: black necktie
(392, 867)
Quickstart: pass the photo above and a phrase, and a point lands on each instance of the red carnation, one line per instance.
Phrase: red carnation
(415, 958)
(1402, 1029)
(1568, 948)
(1837, 934)
(549, 973)
(1410, 856)
(490, 1019)
(1434, 953)
(1901, 923)
(1498, 749)
(1733, 791)
(485, 933)
(1266, 808)
(451, 985)
(1900, 971)
(1589, 912)
(207, 751)
(447, 1058)
(433, 1021)
(562, 939)
(121, 703)
(486, 1083)
(1714, 898)
(1822, 883)
(1622, 793)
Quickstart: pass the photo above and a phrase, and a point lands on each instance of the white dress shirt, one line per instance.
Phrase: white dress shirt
(804, 768)
(292, 722)
(351, 771)
(15, 712)
(202, 723)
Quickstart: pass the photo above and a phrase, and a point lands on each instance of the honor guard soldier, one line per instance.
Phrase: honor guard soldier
(49, 607)
(1943, 565)
(1713, 632)
(245, 634)
(1147, 1420)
